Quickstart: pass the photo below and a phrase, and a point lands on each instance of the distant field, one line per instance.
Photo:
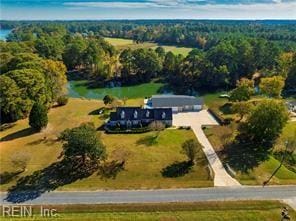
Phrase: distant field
(121, 43)
(146, 160)
(210, 211)
(176, 50)
(79, 89)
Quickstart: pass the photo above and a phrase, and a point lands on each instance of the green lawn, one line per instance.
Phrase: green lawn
(147, 159)
(80, 89)
(211, 211)
(121, 43)
(261, 172)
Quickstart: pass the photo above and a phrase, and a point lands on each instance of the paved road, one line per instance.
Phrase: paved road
(174, 195)
(195, 120)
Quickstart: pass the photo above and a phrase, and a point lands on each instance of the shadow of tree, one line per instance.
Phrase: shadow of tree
(177, 169)
(21, 133)
(149, 140)
(48, 179)
(6, 177)
(111, 169)
(244, 156)
(48, 142)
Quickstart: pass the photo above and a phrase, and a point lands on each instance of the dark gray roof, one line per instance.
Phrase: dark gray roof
(174, 100)
(128, 113)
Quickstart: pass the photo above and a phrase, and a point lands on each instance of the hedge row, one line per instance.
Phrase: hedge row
(127, 131)
(220, 119)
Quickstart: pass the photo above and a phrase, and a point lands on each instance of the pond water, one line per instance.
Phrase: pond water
(80, 89)
(4, 33)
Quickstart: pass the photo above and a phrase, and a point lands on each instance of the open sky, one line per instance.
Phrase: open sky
(147, 9)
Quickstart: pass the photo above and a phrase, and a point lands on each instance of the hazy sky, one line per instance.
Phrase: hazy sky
(148, 9)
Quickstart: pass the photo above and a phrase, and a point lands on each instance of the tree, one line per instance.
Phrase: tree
(50, 47)
(243, 91)
(169, 63)
(55, 79)
(12, 105)
(83, 142)
(191, 148)
(266, 121)
(31, 82)
(160, 51)
(291, 75)
(73, 54)
(241, 108)
(272, 86)
(38, 116)
(108, 99)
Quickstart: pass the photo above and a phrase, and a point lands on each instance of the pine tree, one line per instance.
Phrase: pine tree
(38, 116)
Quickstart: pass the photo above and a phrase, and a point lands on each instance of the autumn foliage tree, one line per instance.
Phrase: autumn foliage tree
(272, 86)
(191, 148)
(243, 91)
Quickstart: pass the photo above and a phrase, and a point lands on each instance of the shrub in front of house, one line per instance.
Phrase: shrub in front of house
(119, 130)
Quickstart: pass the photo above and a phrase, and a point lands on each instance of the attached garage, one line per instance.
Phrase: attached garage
(178, 103)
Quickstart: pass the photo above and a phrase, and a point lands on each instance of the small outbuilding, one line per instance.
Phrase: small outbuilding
(178, 103)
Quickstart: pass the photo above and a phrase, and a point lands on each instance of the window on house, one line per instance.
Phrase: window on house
(122, 115)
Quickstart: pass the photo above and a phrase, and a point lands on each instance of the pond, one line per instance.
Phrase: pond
(80, 89)
(4, 33)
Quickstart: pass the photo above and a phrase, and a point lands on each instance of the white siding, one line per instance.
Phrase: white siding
(197, 107)
(175, 109)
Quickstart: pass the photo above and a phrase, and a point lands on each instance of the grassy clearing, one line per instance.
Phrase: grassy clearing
(121, 44)
(143, 166)
(176, 50)
(79, 89)
(212, 211)
(263, 171)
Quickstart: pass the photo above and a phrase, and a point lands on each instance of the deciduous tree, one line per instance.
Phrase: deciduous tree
(266, 121)
(272, 86)
(84, 142)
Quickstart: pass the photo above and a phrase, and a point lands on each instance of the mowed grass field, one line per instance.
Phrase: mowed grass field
(121, 44)
(145, 160)
(210, 211)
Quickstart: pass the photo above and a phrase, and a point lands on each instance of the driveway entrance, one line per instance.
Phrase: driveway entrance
(196, 120)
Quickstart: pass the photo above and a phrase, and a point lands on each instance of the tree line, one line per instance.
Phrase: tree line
(192, 33)
(36, 57)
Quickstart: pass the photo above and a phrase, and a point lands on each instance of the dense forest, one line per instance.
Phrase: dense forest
(37, 55)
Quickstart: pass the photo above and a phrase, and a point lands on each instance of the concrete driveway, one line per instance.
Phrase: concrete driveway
(196, 120)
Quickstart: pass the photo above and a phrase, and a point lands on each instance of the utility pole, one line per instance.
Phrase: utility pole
(277, 169)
